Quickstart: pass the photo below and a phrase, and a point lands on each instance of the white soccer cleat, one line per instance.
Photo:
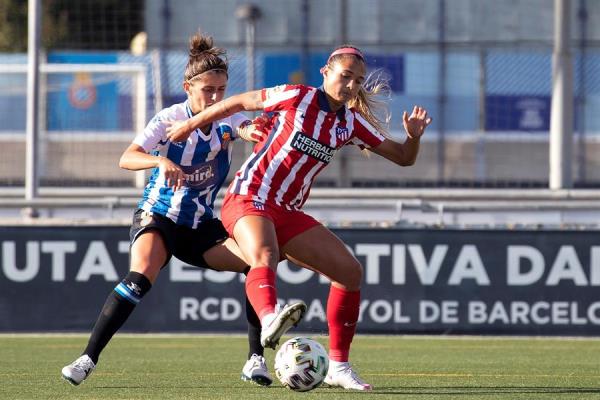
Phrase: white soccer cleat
(345, 377)
(256, 370)
(289, 316)
(78, 370)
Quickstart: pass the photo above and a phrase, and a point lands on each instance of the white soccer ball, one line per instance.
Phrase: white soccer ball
(301, 364)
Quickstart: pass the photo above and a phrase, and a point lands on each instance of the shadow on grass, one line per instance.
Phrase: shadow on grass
(477, 391)
(394, 390)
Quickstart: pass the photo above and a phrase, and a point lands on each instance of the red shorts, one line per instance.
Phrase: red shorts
(288, 223)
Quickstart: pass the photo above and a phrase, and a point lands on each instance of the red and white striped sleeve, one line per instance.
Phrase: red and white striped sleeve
(282, 97)
(365, 135)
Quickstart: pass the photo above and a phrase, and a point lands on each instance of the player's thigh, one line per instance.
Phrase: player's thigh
(320, 250)
(148, 254)
(257, 240)
(225, 256)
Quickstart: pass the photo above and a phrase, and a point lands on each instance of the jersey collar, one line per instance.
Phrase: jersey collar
(190, 114)
(324, 104)
(188, 109)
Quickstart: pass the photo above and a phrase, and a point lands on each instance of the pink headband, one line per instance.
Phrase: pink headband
(346, 50)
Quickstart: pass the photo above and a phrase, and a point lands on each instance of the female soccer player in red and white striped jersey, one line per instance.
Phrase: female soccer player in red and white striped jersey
(262, 209)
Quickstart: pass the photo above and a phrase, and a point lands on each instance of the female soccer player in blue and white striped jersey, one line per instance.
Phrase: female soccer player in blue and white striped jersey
(175, 215)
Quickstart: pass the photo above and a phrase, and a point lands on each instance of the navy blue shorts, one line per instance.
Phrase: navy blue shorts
(185, 243)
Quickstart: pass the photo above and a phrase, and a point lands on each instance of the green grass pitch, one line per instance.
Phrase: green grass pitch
(178, 367)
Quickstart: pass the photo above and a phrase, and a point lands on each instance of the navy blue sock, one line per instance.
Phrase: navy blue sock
(254, 328)
(117, 308)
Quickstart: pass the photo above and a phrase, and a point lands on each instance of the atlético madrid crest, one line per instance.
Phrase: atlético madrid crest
(342, 133)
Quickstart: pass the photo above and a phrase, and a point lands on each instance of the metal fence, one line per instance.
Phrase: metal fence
(490, 124)
(490, 100)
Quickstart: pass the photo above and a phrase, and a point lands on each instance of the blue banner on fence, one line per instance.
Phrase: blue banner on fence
(517, 113)
(82, 101)
(415, 281)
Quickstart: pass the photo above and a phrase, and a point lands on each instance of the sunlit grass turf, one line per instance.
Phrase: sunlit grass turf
(208, 367)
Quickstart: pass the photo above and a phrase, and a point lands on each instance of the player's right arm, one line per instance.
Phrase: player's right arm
(135, 158)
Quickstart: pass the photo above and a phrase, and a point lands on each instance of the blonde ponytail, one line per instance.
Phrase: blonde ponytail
(370, 102)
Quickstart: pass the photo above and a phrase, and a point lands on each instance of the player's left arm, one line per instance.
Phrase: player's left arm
(405, 154)
(250, 101)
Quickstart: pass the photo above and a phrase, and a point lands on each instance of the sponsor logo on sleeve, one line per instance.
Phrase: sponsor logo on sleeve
(270, 92)
(226, 134)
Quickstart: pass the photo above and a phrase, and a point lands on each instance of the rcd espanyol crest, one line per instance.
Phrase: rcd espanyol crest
(342, 133)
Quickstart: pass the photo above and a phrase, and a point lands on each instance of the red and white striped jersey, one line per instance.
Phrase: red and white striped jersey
(303, 139)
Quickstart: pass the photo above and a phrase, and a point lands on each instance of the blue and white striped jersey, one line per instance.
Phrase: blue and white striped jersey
(204, 158)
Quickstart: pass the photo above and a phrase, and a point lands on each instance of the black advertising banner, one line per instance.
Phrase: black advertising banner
(415, 281)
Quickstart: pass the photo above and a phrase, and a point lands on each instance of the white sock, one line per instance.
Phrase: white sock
(267, 319)
(338, 365)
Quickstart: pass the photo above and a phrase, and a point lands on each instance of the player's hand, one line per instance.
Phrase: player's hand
(178, 131)
(415, 124)
(261, 121)
(174, 176)
(259, 129)
(256, 130)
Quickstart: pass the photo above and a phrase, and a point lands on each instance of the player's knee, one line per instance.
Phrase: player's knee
(264, 257)
(352, 276)
(356, 275)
